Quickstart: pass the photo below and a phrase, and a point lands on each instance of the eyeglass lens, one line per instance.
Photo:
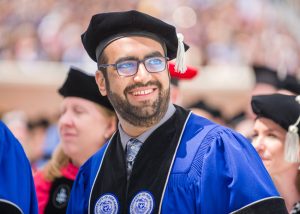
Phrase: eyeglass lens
(152, 65)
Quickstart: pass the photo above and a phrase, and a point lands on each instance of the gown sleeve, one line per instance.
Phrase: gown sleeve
(234, 178)
(16, 181)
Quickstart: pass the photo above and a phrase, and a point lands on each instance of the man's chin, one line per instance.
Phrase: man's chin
(142, 103)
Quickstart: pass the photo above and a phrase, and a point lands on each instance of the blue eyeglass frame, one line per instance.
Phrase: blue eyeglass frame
(138, 64)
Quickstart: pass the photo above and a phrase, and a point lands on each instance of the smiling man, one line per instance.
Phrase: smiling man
(163, 158)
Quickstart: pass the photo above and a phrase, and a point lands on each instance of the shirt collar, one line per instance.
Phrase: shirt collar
(125, 137)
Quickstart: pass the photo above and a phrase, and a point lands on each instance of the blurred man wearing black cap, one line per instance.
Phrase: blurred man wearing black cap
(162, 159)
(276, 139)
(266, 82)
(290, 85)
(86, 122)
(203, 109)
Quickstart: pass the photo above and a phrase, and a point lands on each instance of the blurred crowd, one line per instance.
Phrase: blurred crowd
(231, 31)
(236, 32)
(261, 35)
(39, 137)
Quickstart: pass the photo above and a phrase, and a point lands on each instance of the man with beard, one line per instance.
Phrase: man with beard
(163, 158)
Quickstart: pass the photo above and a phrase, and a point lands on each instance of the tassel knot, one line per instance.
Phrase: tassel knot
(293, 129)
(180, 37)
(298, 99)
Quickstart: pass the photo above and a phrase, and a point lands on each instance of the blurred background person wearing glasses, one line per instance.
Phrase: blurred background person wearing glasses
(276, 139)
(86, 122)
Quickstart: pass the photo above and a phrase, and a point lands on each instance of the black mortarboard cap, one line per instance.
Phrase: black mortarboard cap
(282, 109)
(264, 74)
(80, 84)
(211, 110)
(236, 119)
(290, 83)
(107, 27)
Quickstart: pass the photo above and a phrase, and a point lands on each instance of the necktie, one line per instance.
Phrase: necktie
(133, 147)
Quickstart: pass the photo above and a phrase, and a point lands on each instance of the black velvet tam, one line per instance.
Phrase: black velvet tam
(282, 109)
(264, 74)
(105, 28)
(291, 83)
(211, 110)
(80, 84)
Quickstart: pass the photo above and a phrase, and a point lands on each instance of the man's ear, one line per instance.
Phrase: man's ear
(101, 83)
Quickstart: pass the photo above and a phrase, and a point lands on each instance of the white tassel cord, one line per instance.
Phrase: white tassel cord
(180, 65)
(292, 147)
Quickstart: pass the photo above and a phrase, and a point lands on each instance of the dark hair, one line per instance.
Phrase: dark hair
(103, 59)
(298, 181)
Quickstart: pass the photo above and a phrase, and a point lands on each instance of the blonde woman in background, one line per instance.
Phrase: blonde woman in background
(276, 139)
(86, 122)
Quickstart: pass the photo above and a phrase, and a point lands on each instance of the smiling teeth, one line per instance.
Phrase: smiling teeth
(143, 92)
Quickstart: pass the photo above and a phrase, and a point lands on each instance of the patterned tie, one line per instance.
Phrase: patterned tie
(133, 147)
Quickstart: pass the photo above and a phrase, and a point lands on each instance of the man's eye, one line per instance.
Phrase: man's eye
(155, 61)
(127, 64)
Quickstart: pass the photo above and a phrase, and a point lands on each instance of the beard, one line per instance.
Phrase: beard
(145, 115)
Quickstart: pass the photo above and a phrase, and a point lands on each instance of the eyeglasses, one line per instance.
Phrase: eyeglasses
(130, 67)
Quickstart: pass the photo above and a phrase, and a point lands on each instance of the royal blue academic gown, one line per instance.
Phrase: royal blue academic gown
(17, 192)
(213, 170)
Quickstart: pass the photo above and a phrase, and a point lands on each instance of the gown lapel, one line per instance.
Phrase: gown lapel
(144, 190)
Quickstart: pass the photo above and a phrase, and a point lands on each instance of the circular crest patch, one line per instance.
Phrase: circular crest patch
(106, 204)
(142, 203)
(61, 196)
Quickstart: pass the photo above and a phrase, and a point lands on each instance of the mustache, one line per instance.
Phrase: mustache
(139, 84)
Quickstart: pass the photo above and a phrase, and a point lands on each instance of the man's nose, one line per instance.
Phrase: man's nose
(142, 74)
